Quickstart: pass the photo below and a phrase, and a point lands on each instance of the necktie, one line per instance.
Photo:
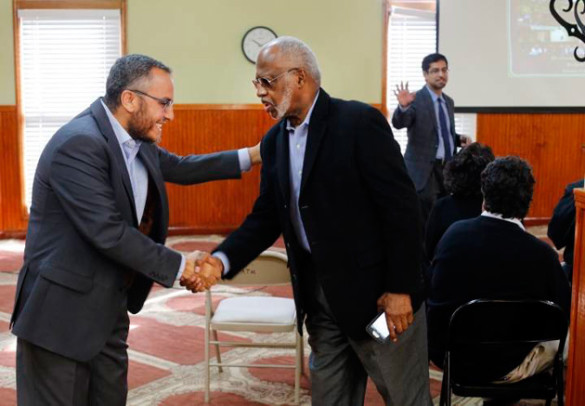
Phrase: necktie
(445, 133)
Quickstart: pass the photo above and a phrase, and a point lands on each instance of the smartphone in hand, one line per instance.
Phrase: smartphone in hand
(378, 329)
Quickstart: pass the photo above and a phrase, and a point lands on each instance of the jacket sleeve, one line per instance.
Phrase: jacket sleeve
(562, 224)
(382, 167)
(81, 177)
(260, 228)
(193, 169)
(404, 118)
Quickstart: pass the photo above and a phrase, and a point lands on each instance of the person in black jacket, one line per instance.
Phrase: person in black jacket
(493, 257)
(334, 183)
(464, 199)
(561, 229)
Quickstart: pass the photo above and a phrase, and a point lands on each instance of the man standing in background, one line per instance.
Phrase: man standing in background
(429, 118)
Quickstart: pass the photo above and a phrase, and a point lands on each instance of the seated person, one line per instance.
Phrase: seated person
(561, 229)
(493, 257)
(464, 199)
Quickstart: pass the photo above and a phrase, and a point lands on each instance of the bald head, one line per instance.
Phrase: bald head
(295, 52)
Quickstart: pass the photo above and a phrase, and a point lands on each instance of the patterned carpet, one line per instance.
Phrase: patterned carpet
(166, 347)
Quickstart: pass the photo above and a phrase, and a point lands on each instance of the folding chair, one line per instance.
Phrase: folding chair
(254, 313)
(483, 327)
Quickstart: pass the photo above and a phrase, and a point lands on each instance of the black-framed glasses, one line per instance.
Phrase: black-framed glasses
(266, 83)
(166, 103)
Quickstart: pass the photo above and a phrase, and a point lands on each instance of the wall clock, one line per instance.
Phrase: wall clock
(254, 39)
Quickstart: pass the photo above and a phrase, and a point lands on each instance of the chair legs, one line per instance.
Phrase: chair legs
(298, 366)
(217, 351)
(207, 377)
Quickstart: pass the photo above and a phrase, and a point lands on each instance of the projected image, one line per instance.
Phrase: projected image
(538, 44)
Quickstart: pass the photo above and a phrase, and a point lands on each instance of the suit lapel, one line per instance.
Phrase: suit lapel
(282, 159)
(428, 100)
(103, 123)
(145, 153)
(317, 127)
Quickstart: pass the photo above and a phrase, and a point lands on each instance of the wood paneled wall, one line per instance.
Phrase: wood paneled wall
(554, 144)
(12, 211)
(222, 205)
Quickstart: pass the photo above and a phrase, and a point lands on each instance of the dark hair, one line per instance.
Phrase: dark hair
(432, 58)
(507, 185)
(125, 72)
(463, 173)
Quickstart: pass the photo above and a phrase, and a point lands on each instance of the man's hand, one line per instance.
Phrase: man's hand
(190, 278)
(464, 140)
(403, 96)
(254, 152)
(398, 309)
(210, 270)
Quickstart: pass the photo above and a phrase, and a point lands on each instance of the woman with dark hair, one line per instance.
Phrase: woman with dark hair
(464, 199)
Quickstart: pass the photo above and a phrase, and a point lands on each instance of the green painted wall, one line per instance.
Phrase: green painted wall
(7, 80)
(200, 41)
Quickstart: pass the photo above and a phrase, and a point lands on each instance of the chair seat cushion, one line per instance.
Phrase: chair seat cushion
(256, 310)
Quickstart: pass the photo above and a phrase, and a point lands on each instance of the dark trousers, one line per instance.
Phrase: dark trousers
(46, 378)
(340, 365)
(433, 190)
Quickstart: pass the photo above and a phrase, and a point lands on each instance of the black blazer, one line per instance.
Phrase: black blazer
(358, 206)
(446, 211)
(420, 120)
(487, 258)
(83, 241)
(561, 228)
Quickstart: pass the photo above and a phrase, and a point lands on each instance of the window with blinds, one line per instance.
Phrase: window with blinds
(412, 35)
(65, 58)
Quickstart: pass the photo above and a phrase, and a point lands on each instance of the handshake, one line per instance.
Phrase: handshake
(201, 272)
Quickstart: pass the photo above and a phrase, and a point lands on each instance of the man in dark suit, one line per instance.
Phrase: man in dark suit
(493, 257)
(335, 185)
(95, 242)
(429, 118)
(561, 229)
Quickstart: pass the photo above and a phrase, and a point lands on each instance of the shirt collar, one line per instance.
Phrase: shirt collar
(434, 95)
(307, 119)
(500, 217)
(124, 139)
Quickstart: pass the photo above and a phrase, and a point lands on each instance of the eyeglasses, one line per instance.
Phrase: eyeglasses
(165, 103)
(434, 71)
(267, 83)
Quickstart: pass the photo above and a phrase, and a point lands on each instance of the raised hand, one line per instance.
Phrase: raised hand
(398, 309)
(403, 96)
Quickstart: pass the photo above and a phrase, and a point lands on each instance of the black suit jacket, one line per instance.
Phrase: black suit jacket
(420, 120)
(83, 243)
(561, 228)
(358, 206)
(487, 258)
(446, 211)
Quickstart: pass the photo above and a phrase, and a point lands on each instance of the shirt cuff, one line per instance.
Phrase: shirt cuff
(403, 108)
(181, 267)
(244, 159)
(224, 260)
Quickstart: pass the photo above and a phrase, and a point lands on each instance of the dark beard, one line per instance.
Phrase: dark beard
(136, 127)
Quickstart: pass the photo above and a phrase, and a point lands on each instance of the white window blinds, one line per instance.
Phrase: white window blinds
(65, 58)
(412, 35)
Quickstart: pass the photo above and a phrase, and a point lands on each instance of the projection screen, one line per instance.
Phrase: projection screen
(511, 55)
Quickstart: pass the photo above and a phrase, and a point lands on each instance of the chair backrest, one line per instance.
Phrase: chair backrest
(486, 336)
(498, 322)
(269, 268)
